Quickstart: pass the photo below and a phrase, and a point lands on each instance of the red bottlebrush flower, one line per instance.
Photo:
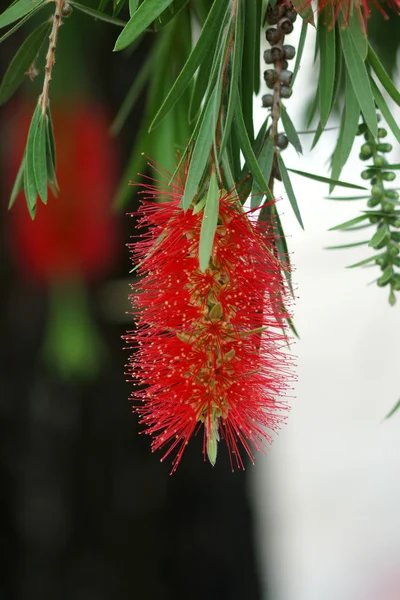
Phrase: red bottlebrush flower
(334, 8)
(208, 345)
(75, 235)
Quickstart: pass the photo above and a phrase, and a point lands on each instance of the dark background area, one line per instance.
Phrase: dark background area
(87, 512)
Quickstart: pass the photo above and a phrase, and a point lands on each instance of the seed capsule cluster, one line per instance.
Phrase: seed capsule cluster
(386, 205)
(278, 78)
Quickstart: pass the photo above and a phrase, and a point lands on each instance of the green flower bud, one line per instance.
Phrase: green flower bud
(367, 174)
(388, 206)
(377, 190)
(391, 194)
(394, 250)
(367, 149)
(372, 202)
(379, 161)
(388, 176)
(384, 147)
(382, 133)
(362, 128)
(374, 219)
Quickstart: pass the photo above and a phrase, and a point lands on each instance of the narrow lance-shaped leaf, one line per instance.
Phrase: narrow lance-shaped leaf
(300, 49)
(22, 61)
(290, 130)
(394, 410)
(17, 10)
(142, 18)
(209, 223)
(97, 14)
(385, 110)
(18, 184)
(51, 152)
(22, 21)
(208, 34)
(326, 38)
(383, 77)
(39, 158)
(29, 172)
(289, 190)
(201, 151)
(358, 34)
(265, 160)
(248, 152)
(359, 78)
(349, 223)
(327, 180)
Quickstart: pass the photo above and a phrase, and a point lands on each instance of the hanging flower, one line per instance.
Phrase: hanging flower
(208, 345)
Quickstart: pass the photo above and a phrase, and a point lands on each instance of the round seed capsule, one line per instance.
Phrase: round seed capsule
(267, 100)
(66, 10)
(282, 141)
(382, 132)
(394, 250)
(291, 14)
(284, 64)
(275, 13)
(384, 147)
(374, 180)
(285, 25)
(286, 77)
(289, 51)
(286, 91)
(379, 161)
(268, 56)
(276, 53)
(272, 35)
(388, 176)
(270, 77)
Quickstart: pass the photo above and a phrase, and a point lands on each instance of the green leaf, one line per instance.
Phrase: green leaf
(22, 61)
(348, 132)
(18, 184)
(290, 130)
(207, 36)
(383, 76)
(235, 75)
(364, 262)
(379, 236)
(383, 107)
(359, 78)
(133, 4)
(394, 409)
(346, 245)
(386, 275)
(51, 153)
(133, 94)
(143, 17)
(169, 13)
(22, 21)
(257, 46)
(201, 151)
(346, 197)
(209, 223)
(326, 38)
(247, 74)
(17, 10)
(300, 48)
(289, 190)
(29, 172)
(201, 83)
(97, 14)
(327, 180)
(39, 158)
(265, 160)
(358, 34)
(248, 152)
(349, 223)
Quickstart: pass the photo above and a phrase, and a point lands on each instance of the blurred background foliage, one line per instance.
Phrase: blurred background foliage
(87, 511)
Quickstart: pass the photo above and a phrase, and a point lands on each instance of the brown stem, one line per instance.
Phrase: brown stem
(50, 57)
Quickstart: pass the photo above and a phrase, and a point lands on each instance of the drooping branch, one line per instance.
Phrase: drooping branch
(61, 8)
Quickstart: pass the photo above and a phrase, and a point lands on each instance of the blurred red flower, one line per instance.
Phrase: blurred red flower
(75, 235)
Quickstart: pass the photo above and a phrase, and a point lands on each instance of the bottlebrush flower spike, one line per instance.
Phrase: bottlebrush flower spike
(209, 348)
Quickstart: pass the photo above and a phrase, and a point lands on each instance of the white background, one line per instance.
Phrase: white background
(327, 494)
